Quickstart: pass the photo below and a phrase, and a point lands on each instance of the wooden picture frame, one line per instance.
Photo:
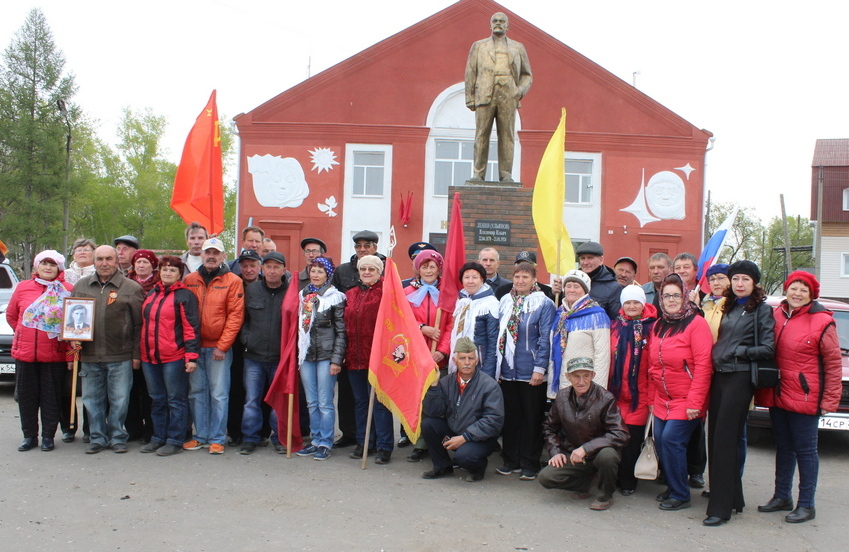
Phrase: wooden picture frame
(78, 327)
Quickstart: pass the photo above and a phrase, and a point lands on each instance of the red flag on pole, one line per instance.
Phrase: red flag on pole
(401, 367)
(284, 386)
(455, 258)
(198, 186)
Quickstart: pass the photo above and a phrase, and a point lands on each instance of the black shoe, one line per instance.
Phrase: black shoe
(713, 521)
(247, 448)
(697, 481)
(47, 444)
(86, 439)
(801, 514)
(119, 448)
(662, 496)
(507, 470)
(263, 442)
(343, 442)
(68, 437)
(627, 492)
(436, 474)
(28, 443)
(151, 447)
(144, 440)
(357, 453)
(417, 455)
(234, 441)
(383, 456)
(776, 505)
(706, 493)
(169, 450)
(674, 504)
(94, 448)
(404, 441)
(474, 477)
(528, 475)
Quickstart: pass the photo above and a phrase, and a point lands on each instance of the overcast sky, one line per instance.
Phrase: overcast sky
(767, 80)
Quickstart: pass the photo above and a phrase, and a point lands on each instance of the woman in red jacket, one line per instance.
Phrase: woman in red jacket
(35, 315)
(362, 304)
(170, 345)
(807, 351)
(680, 372)
(423, 296)
(629, 375)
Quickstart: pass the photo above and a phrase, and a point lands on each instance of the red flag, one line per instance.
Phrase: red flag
(284, 386)
(455, 258)
(401, 367)
(198, 187)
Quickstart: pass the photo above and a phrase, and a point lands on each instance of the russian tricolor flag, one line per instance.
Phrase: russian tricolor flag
(713, 247)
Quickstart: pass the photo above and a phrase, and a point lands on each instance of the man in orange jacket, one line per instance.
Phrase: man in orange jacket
(222, 309)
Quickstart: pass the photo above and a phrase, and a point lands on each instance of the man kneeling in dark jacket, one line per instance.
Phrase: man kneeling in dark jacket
(463, 412)
(584, 434)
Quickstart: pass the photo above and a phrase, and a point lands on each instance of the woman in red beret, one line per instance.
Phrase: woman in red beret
(807, 351)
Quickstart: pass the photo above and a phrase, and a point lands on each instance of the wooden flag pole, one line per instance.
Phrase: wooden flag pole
(436, 327)
(557, 295)
(289, 417)
(368, 428)
(72, 424)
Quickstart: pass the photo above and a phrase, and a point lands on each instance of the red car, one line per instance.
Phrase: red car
(759, 417)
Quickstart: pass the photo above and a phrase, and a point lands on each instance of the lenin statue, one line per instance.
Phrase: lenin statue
(498, 75)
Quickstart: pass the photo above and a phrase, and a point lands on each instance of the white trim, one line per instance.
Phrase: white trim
(583, 220)
(366, 212)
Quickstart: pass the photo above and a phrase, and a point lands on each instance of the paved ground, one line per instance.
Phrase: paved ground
(66, 500)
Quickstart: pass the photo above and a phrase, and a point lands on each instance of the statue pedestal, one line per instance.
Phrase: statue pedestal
(494, 184)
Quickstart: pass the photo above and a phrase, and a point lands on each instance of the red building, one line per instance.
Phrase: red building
(336, 153)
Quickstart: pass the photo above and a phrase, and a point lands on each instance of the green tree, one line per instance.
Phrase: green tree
(33, 138)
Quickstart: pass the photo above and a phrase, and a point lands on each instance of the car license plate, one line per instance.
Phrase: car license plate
(834, 423)
(7, 368)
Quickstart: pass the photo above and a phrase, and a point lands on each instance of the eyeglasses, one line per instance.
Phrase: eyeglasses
(367, 269)
(717, 278)
(364, 245)
(83, 250)
(673, 296)
(311, 251)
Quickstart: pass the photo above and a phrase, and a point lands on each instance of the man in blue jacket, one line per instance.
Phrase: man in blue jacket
(464, 413)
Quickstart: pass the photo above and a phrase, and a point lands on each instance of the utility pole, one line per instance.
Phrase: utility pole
(788, 262)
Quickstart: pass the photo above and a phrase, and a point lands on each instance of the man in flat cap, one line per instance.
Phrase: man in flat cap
(126, 246)
(605, 289)
(584, 434)
(312, 248)
(462, 412)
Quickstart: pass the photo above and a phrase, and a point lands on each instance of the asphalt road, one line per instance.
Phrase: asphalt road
(67, 500)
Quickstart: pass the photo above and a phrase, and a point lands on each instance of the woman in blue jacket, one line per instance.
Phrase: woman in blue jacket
(522, 355)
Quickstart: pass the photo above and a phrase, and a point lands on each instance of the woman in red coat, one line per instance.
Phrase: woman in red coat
(35, 315)
(807, 351)
(423, 296)
(629, 375)
(680, 372)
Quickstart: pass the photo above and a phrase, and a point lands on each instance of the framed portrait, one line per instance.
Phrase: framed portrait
(78, 319)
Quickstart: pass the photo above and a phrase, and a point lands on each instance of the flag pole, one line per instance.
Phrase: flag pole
(436, 327)
(557, 295)
(72, 423)
(290, 415)
(368, 428)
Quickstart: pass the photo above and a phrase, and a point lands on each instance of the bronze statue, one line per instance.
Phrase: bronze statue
(498, 75)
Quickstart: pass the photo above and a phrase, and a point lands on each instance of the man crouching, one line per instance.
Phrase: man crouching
(463, 412)
(584, 434)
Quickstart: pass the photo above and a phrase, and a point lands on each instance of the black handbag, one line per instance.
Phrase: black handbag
(764, 371)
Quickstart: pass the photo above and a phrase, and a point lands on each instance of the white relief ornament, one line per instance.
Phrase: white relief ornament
(686, 169)
(278, 182)
(328, 206)
(323, 159)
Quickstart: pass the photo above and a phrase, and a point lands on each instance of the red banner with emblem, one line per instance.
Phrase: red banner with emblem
(401, 367)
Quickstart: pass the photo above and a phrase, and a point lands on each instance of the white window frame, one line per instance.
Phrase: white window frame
(595, 176)
(491, 165)
(350, 150)
(843, 258)
(846, 199)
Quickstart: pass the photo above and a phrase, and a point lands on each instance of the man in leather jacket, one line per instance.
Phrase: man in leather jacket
(584, 434)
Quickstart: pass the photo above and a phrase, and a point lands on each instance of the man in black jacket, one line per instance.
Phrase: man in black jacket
(463, 412)
(584, 434)
(605, 289)
(261, 337)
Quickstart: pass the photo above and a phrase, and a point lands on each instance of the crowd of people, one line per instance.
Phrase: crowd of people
(183, 350)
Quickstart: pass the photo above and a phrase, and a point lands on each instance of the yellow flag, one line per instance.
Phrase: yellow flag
(549, 196)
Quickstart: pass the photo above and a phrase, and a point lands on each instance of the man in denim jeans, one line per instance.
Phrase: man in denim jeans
(261, 337)
(222, 309)
(108, 361)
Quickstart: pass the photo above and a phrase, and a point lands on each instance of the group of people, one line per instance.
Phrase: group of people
(579, 367)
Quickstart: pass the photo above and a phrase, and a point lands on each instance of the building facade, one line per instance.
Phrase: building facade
(350, 147)
(830, 169)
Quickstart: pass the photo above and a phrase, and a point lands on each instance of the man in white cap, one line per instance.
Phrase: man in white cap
(222, 309)
(584, 434)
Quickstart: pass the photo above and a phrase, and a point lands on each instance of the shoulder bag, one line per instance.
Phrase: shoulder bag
(647, 466)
